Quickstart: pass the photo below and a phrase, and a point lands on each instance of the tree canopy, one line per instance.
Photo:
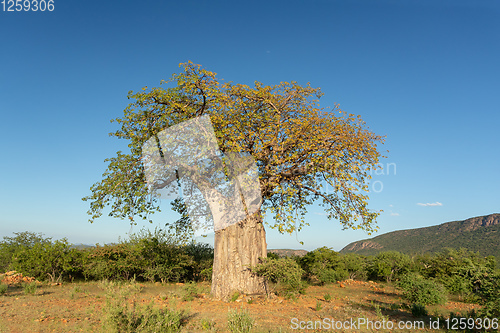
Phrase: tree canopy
(304, 153)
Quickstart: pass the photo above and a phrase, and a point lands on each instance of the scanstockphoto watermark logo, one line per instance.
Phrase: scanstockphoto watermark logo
(381, 170)
(377, 174)
(365, 324)
(218, 190)
(362, 324)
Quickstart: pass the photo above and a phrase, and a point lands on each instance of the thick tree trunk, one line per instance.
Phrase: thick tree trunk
(237, 248)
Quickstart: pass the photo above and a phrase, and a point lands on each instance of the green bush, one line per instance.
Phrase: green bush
(324, 264)
(116, 261)
(48, 260)
(206, 274)
(285, 275)
(489, 296)
(331, 275)
(272, 255)
(355, 265)
(22, 240)
(202, 259)
(389, 265)
(164, 259)
(450, 262)
(239, 321)
(458, 285)
(462, 272)
(418, 290)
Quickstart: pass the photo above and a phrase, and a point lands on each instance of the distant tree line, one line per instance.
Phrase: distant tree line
(147, 256)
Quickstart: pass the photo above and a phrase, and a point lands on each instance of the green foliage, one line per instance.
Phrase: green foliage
(206, 274)
(26, 239)
(419, 310)
(152, 255)
(239, 321)
(202, 259)
(355, 265)
(3, 288)
(284, 273)
(116, 261)
(489, 296)
(48, 260)
(324, 264)
(327, 297)
(460, 271)
(458, 285)
(161, 256)
(417, 289)
(21, 241)
(389, 265)
(331, 275)
(272, 255)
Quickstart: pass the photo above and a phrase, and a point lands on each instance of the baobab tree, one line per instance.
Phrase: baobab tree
(301, 153)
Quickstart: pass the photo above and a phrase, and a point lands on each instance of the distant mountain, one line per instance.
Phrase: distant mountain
(288, 252)
(479, 234)
(81, 246)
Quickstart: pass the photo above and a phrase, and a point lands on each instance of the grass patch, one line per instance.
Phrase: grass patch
(30, 288)
(3, 288)
(239, 321)
(208, 325)
(235, 296)
(190, 292)
(75, 291)
(120, 316)
(147, 318)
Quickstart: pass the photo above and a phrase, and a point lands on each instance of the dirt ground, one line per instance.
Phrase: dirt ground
(78, 307)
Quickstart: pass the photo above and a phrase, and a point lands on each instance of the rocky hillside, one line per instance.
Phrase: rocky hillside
(477, 234)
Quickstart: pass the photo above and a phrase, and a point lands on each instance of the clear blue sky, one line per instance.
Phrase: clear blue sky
(424, 73)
